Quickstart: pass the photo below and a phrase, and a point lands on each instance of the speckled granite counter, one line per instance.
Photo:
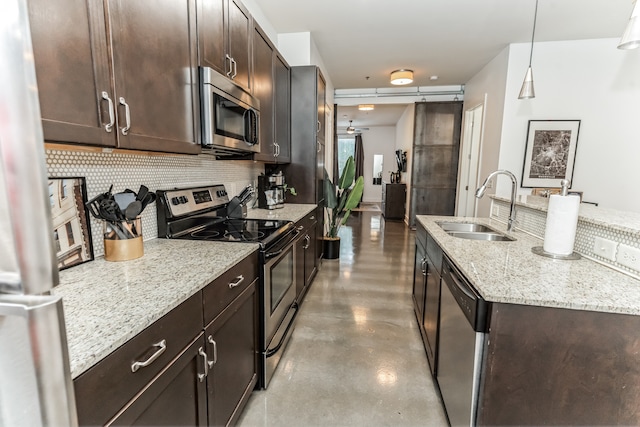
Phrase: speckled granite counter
(290, 212)
(108, 303)
(508, 272)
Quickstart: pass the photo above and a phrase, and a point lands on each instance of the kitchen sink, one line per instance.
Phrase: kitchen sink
(481, 235)
(465, 226)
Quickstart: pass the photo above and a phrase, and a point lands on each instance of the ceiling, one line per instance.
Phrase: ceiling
(362, 41)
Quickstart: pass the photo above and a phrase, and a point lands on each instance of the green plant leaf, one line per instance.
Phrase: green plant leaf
(330, 197)
(348, 174)
(355, 194)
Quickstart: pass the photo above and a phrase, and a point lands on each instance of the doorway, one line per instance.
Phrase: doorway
(470, 153)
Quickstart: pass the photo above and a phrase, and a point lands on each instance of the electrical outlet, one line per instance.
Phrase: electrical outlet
(605, 248)
(629, 257)
(495, 210)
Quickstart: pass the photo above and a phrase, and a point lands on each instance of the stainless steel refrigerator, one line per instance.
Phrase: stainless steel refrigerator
(35, 380)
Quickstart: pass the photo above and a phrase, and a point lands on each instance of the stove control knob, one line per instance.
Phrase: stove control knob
(175, 201)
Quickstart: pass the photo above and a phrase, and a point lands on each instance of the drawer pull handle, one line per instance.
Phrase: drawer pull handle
(162, 347)
(237, 282)
(312, 217)
(300, 228)
(308, 240)
(127, 116)
(202, 353)
(215, 351)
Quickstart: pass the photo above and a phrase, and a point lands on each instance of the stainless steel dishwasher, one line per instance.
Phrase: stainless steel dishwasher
(463, 322)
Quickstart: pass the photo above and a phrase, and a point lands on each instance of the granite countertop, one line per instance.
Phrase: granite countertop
(108, 303)
(290, 212)
(508, 272)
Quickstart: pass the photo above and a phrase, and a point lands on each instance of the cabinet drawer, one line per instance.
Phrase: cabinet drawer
(105, 388)
(219, 293)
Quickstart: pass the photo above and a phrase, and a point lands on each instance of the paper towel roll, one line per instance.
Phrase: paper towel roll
(562, 220)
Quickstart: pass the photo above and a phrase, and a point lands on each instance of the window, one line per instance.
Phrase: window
(70, 238)
(56, 240)
(346, 148)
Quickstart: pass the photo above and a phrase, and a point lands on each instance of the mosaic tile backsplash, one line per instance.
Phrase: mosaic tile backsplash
(532, 217)
(156, 171)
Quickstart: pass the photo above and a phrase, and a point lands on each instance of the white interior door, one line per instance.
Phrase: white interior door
(470, 153)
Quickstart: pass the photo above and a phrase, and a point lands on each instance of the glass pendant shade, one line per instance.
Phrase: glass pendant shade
(527, 90)
(631, 37)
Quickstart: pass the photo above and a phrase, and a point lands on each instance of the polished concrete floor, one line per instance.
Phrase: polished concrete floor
(356, 357)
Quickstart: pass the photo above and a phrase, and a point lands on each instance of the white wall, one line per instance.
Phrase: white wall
(594, 82)
(491, 80)
(587, 80)
(378, 140)
(404, 142)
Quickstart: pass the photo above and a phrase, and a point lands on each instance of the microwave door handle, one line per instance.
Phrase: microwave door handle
(247, 125)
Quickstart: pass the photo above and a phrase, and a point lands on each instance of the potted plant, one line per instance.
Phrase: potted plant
(339, 201)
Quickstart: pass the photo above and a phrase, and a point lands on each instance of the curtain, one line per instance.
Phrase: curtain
(359, 158)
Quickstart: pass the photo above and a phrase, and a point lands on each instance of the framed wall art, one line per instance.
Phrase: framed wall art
(550, 153)
(71, 228)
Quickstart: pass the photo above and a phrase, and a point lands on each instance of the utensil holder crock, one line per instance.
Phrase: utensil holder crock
(123, 240)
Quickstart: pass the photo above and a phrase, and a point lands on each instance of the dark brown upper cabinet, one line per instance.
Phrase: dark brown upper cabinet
(132, 87)
(224, 33)
(271, 85)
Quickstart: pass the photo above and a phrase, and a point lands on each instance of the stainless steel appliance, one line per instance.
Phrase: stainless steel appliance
(230, 116)
(35, 384)
(271, 190)
(201, 214)
(463, 323)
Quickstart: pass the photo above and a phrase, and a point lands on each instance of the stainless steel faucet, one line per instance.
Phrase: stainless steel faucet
(514, 185)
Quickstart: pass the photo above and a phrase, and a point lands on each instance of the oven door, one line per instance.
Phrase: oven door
(279, 307)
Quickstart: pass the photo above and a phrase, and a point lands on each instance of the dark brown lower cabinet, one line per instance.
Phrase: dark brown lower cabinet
(176, 397)
(232, 346)
(306, 254)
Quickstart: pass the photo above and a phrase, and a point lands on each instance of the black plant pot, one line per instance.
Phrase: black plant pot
(331, 248)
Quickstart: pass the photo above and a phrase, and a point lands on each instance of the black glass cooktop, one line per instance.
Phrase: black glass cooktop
(237, 230)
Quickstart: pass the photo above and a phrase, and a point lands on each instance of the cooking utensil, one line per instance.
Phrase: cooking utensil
(124, 199)
(142, 193)
(149, 198)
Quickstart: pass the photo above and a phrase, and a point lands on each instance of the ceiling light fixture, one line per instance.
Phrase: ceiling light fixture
(350, 129)
(401, 77)
(365, 107)
(631, 37)
(527, 90)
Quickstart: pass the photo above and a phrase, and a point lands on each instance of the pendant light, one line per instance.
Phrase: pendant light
(527, 90)
(350, 129)
(631, 37)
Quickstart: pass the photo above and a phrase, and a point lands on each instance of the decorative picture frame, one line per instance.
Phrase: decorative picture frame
(550, 152)
(70, 220)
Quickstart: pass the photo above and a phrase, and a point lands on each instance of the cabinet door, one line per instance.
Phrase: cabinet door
(177, 397)
(155, 67)
(320, 171)
(419, 283)
(310, 255)
(232, 343)
(72, 70)
(239, 33)
(282, 108)
(264, 90)
(211, 35)
(321, 93)
(432, 314)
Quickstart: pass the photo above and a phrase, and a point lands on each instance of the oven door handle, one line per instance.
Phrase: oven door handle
(284, 246)
(273, 254)
(271, 352)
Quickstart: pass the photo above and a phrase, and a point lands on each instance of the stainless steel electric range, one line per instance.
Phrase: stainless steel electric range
(201, 214)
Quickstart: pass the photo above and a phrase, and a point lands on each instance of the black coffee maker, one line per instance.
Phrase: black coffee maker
(271, 191)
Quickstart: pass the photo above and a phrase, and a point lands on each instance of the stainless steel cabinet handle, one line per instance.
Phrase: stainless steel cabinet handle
(319, 148)
(300, 228)
(235, 68)
(215, 351)
(127, 115)
(423, 266)
(308, 239)
(162, 347)
(318, 127)
(112, 117)
(230, 64)
(237, 282)
(312, 217)
(202, 353)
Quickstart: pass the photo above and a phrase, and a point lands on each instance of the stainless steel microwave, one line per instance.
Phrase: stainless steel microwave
(230, 116)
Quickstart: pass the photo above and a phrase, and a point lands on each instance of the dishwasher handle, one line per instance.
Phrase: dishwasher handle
(474, 307)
